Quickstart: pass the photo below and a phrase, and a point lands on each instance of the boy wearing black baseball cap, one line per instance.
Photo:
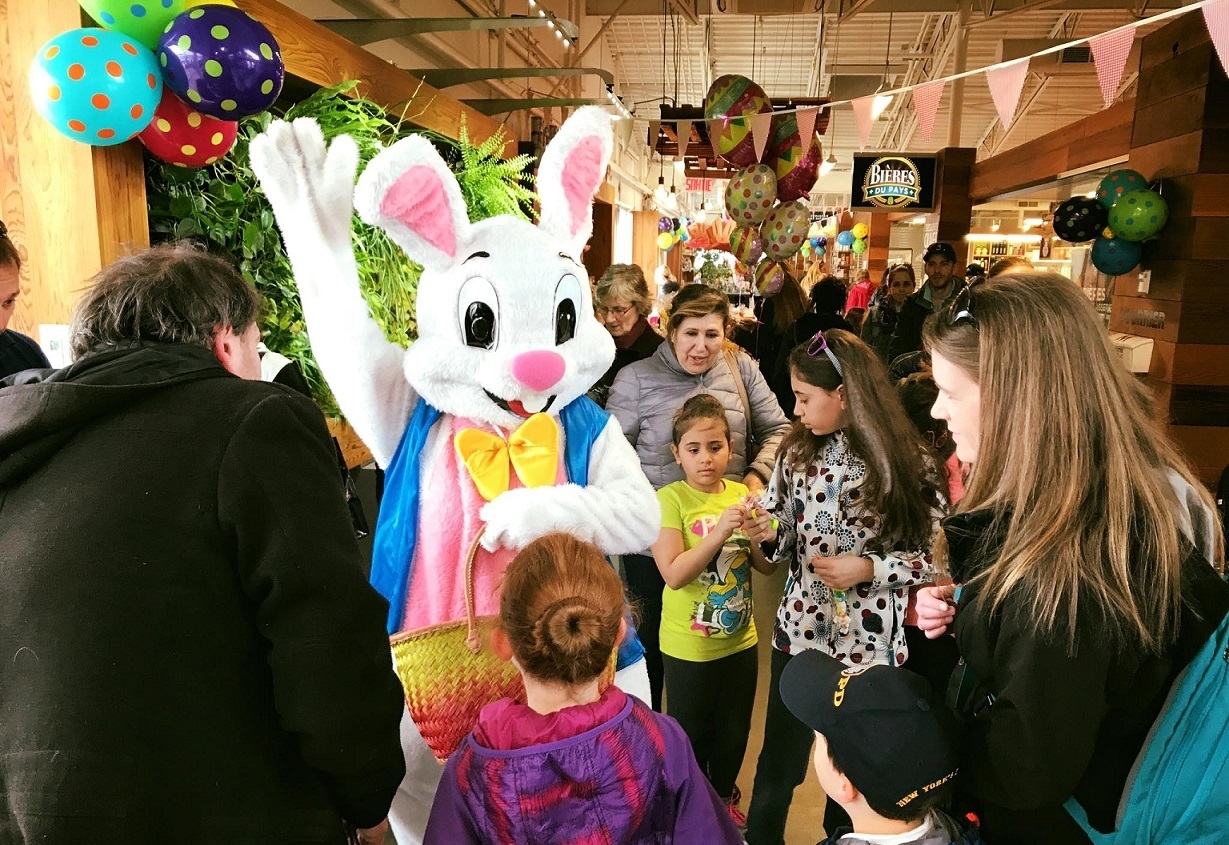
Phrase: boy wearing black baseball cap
(884, 750)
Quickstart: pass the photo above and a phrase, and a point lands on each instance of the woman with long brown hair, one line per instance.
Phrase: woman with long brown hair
(858, 506)
(17, 352)
(1087, 553)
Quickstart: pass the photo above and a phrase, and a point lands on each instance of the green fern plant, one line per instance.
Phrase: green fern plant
(224, 206)
(490, 184)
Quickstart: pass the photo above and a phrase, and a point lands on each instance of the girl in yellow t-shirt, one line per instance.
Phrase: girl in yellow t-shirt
(710, 538)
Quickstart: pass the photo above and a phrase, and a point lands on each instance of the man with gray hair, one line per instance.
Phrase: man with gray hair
(191, 651)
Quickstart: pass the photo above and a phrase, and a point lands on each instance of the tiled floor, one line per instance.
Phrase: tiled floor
(805, 825)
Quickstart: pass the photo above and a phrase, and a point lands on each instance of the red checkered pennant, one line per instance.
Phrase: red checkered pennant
(1006, 83)
(926, 105)
(1109, 52)
(1216, 16)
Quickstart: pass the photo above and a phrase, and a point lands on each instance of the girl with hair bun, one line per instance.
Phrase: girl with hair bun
(578, 760)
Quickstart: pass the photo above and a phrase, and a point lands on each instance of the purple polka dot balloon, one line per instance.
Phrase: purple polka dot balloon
(222, 62)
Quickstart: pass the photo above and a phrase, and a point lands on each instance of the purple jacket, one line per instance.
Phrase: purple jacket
(632, 779)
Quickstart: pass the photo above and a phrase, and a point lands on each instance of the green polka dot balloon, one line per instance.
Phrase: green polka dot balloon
(222, 61)
(750, 195)
(785, 229)
(1138, 215)
(141, 20)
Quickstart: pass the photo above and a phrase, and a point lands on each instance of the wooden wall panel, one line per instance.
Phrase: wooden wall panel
(1206, 447)
(1183, 34)
(119, 197)
(644, 244)
(1176, 156)
(1190, 363)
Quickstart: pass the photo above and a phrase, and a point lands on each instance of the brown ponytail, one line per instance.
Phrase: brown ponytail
(561, 606)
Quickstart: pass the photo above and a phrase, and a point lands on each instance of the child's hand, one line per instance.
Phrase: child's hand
(758, 523)
(843, 572)
(936, 609)
(731, 520)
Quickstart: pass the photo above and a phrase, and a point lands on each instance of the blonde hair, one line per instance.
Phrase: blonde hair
(626, 282)
(1010, 264)
(1071, 461)
(789, 304)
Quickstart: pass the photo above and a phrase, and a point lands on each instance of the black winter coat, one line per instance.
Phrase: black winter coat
(1064, 722)
(191, 651)
(907, 336)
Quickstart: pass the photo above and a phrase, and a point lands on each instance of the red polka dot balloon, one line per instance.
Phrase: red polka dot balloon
(750, 194)
(95, 86)
(183, 136)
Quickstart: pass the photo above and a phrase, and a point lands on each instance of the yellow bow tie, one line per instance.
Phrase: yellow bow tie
(533, 450)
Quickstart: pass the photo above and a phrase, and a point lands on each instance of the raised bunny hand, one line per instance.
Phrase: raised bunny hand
(311, 189)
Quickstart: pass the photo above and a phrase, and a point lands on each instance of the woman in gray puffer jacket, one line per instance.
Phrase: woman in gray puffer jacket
(646, 395)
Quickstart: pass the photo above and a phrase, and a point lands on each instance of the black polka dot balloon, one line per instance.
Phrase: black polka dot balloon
(1080, 219)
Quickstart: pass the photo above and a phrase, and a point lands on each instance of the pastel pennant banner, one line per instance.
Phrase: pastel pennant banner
(862, 116)
(926, 105)
(1109, 52)
(806, 125)
(1006, 83)
(684, 136)
(761, 129)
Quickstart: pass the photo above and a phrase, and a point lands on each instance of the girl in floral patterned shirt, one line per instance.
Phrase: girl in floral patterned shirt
(858, 506)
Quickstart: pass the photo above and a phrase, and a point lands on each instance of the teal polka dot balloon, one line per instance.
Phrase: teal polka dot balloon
(1138, 215)
(142, 20)
(1117, 183)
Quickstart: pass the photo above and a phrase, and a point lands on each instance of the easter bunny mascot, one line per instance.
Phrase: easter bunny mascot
(482, 425)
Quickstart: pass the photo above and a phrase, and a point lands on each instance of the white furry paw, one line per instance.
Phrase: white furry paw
(518, 517)
(309, 185)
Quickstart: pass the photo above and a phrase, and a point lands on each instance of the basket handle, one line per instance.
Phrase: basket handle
(473, 639)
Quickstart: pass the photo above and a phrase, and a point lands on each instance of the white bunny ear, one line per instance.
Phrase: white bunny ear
(408, 191)
(573, 167)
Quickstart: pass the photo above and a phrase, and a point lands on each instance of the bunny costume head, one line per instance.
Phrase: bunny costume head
(505, 313)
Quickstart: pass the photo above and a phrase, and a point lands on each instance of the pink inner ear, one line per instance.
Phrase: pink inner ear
(581, 174)
(418, 201)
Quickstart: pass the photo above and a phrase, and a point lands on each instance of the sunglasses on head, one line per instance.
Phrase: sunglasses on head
(819, 344)
(961, 309)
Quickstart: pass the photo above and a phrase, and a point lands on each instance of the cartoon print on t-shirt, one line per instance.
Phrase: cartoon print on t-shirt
(726, 608)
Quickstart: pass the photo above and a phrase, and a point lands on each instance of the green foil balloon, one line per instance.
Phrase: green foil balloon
(1138, 215)
(143, 20)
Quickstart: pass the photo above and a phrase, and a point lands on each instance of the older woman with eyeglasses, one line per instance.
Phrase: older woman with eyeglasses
(623, 304)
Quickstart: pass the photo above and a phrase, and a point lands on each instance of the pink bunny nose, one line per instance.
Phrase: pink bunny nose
(539, 370)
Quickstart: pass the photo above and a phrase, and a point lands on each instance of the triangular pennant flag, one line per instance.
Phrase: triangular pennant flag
(1216, 16)
(761, 128)
(1109, 52)
(926, 105)
(1006, 83)
(806, 125)
(715, 127)
(683, 130)
(862, 116)
(654, 133)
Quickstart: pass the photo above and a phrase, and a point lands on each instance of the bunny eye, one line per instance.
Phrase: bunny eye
(477, 310)
(567, 299)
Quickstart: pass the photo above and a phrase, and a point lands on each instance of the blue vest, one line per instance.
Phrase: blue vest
(392, 556)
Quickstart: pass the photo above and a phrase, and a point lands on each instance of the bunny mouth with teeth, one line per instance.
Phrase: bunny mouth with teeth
(515, 406)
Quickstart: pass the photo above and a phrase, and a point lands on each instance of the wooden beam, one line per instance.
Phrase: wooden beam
(324, 58)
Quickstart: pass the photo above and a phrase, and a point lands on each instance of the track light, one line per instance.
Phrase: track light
(880, 104)
(827, 164)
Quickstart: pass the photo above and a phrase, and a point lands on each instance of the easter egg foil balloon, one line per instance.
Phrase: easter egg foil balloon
(1115, 257)
(142, 20)
(1079, 219)
(1138, 215)
(769, 277)
(785, 229)
(181, 135)
(733, 100)
(222, 62)
(1118, 183)
(745, 244)
(750, 195)
(95, 86)
(796, 164)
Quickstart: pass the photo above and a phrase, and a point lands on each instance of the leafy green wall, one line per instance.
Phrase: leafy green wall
(223, 207)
